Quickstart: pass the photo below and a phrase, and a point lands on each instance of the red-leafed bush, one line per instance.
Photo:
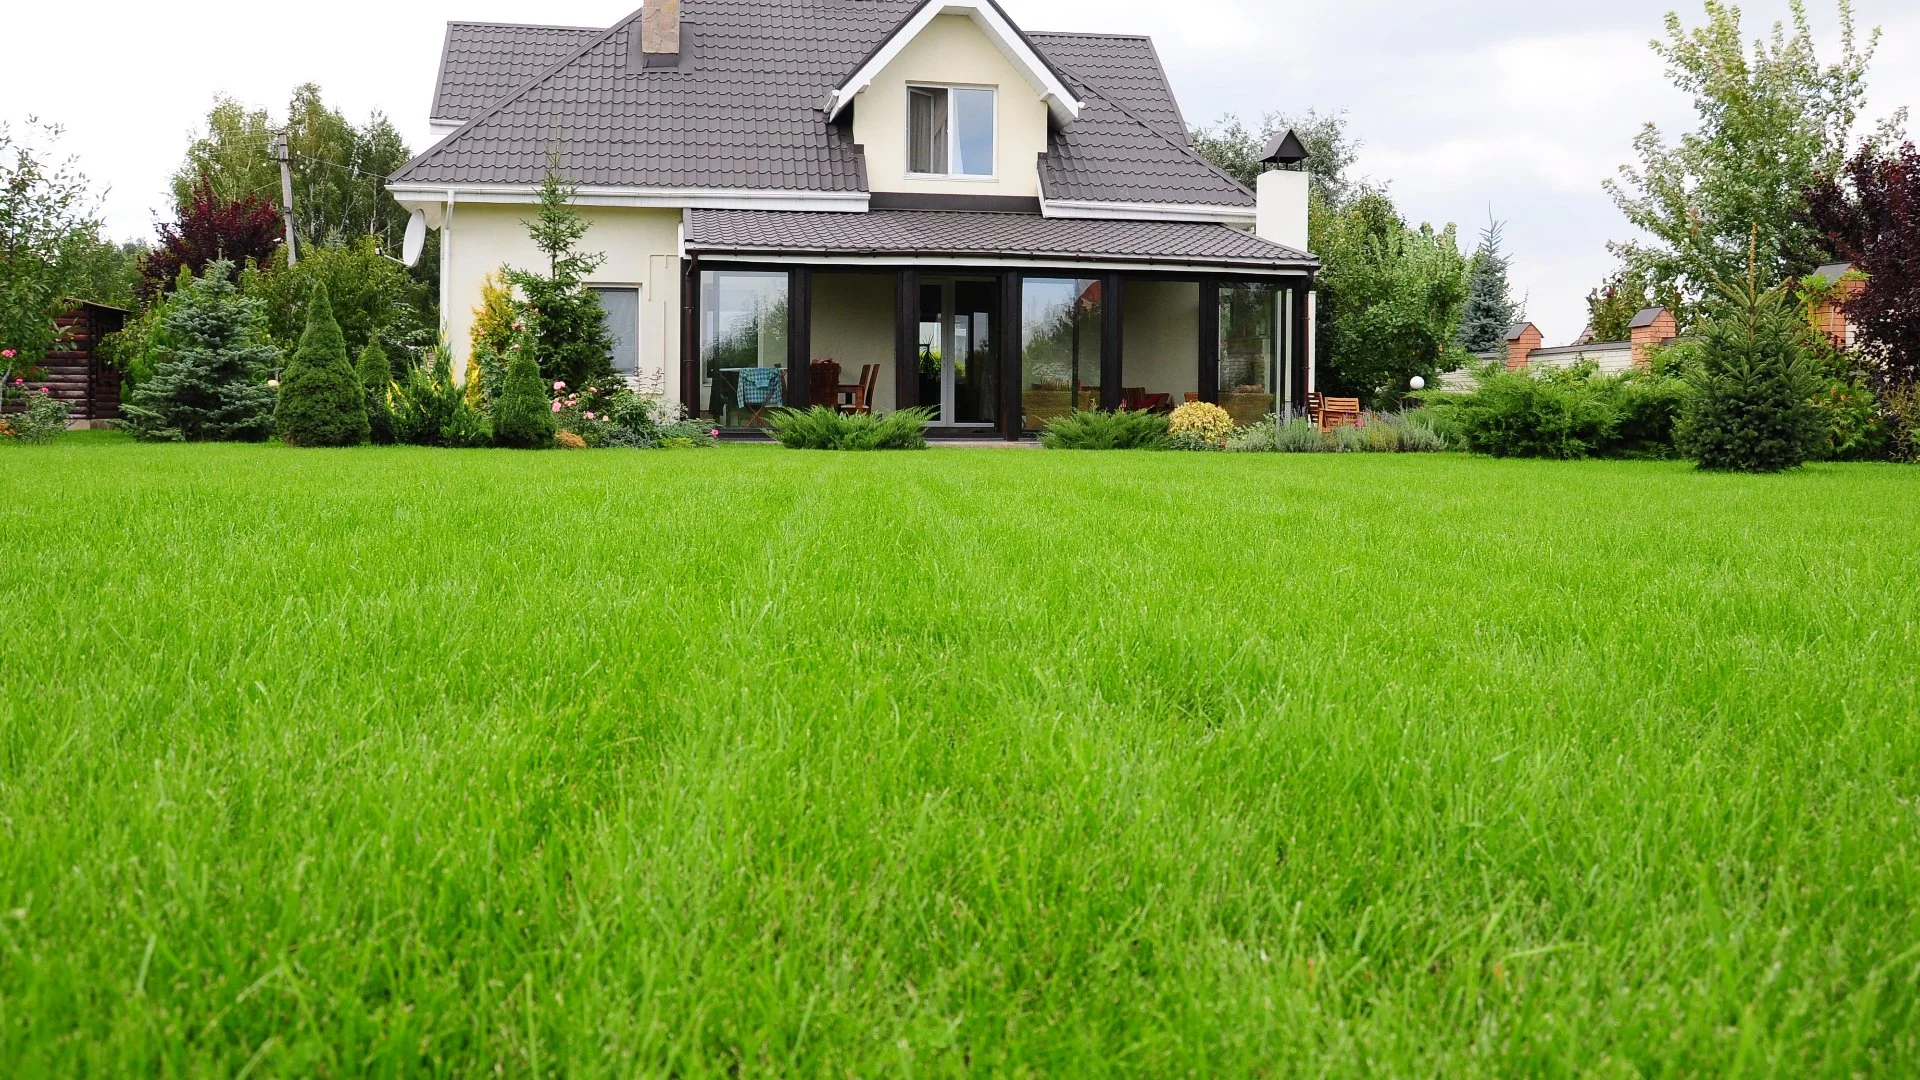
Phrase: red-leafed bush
(1870, 214)
(210, 230)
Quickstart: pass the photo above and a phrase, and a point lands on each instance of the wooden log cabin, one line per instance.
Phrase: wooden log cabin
(74, 371)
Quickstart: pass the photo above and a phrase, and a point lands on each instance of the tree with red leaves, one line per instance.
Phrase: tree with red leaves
(1870, 213)
(210, 230)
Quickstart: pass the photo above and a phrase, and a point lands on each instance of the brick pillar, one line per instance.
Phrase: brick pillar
(1522, 342)
(1650, 329)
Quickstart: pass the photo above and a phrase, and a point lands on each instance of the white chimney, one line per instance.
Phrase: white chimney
(1282, 214)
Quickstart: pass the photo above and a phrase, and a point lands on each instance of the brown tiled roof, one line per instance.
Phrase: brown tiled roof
(484, 62)
(745, 111)
(958, 234)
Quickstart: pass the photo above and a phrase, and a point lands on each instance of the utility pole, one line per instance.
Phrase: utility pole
(283, 154)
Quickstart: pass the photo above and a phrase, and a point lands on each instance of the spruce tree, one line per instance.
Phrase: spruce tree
(376, 377)
(1490, 307)
(567, 324)
(523, 415)
(322, 402)
(1752, 404)
(213, 359)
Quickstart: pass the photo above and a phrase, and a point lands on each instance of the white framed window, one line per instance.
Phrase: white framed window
(621, 305)
(950, 131)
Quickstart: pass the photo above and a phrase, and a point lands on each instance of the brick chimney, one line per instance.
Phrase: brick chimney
(1523, 340)
(1651, 328)
(659, 35)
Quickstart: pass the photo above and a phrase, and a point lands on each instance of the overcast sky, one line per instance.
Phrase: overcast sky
(1524, 106)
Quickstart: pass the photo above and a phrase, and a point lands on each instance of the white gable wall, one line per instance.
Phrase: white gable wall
(952, 51)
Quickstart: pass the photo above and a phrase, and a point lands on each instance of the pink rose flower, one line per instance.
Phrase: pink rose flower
(44, 390)
(559, 386)
(589, 416)
(556, 406)
(8, 354)
(714, 433)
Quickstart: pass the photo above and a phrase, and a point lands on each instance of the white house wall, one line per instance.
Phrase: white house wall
(642, 249)
(952, 51)
(853, 324)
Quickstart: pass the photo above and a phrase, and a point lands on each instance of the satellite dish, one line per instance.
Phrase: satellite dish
(415, 244)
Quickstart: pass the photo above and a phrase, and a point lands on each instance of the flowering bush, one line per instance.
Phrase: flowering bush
(40, 417)
(619, 416)
(1203, 421)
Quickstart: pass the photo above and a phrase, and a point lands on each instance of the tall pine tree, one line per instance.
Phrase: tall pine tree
(322, 402)
(1490, 308)
(209, 381)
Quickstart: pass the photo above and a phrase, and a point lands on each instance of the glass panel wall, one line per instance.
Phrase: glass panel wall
(1060, 348)
(743, 345)
(1249, 351)
(1160, 367)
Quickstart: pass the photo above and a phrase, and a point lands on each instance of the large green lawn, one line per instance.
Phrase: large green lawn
(753, 762)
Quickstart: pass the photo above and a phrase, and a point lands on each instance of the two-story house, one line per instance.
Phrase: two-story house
(996, 225)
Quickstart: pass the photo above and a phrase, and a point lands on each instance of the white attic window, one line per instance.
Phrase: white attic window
(950, 131)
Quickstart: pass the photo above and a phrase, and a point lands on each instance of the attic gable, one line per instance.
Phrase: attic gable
(1040, 74)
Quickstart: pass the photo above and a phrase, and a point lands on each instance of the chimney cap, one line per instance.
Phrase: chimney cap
(1285, 149)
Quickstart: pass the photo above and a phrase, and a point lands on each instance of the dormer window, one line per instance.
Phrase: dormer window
(950, 131)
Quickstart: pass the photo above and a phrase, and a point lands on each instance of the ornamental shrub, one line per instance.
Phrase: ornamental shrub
(376, 378)
(1202, 420)
(321, 400)
(523, 416)
(40, 417)
(1751, 409)
(1559, 414)
(211, 359)
(821, 428)
(429, 410)
(1105, 431)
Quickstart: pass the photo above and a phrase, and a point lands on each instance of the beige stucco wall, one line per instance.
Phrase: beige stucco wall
(1160, 321)
(853, 324)
(952, 51)
(642, 249)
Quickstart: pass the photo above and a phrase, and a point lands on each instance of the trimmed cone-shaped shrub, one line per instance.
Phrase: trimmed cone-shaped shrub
(376, 378)
(523, 416)
(321, 400)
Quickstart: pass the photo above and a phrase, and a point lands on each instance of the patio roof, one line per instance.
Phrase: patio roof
(923, 236)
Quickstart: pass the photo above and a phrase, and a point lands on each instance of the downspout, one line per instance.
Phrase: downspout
(446, 279)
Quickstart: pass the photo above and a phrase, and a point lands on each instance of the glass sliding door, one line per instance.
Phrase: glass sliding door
(1059, 348)
(743, 345)
(1249, 351)
(959, 350)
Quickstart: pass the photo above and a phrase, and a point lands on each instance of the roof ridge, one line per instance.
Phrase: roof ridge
(1090, 34)
(1184, 148)
(523, 26)
(492, 111)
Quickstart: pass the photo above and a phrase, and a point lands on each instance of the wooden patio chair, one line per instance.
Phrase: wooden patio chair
(823, 382)
(858, 398)
(1339, 413)
(1136, 399)
(756, 403)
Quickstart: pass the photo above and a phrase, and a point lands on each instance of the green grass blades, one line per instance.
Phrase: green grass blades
(395, 762)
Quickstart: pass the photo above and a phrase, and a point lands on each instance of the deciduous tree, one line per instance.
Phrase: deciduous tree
(210, 230)
(45, 220)
(1770, 124)
(1870, 213)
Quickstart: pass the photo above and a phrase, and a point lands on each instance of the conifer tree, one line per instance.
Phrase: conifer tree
(322, 402)
(1490, 308)
(567, 325)
(213, 357)
(1752, 404)
(523, 415)
(376, 378)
